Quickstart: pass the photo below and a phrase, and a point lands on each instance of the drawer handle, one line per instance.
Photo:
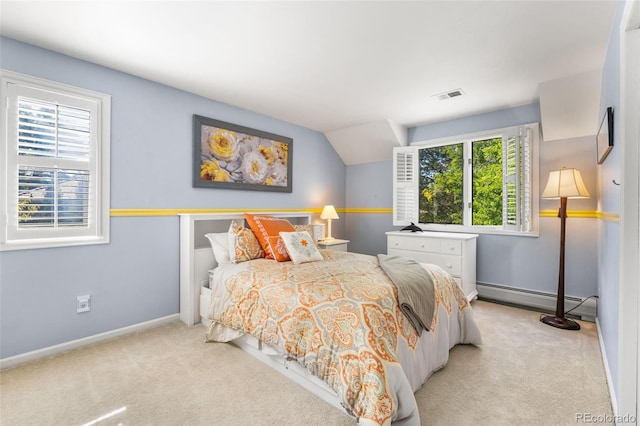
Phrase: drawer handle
(421, 245)
(451, 248)
(397, 243)
(449, 265)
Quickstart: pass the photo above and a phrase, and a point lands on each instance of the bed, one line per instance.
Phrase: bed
(333, 325)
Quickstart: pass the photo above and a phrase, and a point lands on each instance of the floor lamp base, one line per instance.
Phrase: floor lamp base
(564, 323)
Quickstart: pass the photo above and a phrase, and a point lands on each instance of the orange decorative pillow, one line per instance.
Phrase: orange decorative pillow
(267, 229)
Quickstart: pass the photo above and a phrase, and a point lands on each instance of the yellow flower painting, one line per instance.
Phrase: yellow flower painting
(231, 156)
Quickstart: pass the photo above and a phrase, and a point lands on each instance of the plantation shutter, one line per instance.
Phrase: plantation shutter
(52, 142)
(405, 185)
(516, 182)
(526, 179)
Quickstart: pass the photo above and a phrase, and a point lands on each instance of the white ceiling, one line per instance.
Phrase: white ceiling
(331, 65)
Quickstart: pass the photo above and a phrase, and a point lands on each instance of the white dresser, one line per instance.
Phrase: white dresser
(455, 253)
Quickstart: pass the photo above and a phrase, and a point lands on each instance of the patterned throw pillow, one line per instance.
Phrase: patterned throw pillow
(243, 244)
(267, 230)
(305, 228)
(301, 247)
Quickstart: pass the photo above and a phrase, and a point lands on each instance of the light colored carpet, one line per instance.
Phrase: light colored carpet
(525, 373)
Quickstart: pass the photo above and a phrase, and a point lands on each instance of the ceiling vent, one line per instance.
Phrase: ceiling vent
(449, 94)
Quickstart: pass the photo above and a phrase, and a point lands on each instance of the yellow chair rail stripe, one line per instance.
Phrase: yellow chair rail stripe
(610, 217)
(570, 213)
(174, 212)
(385, 210)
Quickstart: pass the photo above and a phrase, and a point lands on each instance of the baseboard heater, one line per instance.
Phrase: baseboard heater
(536, 300)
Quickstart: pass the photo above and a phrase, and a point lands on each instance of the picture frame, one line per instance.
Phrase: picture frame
(604, 138)
(230, 156)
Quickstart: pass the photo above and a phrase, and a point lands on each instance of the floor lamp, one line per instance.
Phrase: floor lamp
(563, 184)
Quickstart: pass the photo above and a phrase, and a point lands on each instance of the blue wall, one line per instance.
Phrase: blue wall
(477, 123)
(609, 202)
(135, 278)
(369, 186)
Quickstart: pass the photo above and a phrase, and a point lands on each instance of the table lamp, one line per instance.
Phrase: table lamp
(329, 213)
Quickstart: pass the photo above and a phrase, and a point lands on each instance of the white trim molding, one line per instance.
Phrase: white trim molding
(628, 357)
(74, 344)
(607, 371)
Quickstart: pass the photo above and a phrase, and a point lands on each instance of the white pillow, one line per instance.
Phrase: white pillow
(300, 247)
(220, 246)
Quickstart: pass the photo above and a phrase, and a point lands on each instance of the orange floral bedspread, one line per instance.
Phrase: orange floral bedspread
(339, 318)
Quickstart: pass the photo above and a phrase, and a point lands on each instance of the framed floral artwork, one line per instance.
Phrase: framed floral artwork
(230, 156)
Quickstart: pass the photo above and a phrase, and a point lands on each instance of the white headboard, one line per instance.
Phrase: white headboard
(196, 257)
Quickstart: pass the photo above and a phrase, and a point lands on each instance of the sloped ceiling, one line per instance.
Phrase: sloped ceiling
(569, 106)
(342, 68)
(367, 143)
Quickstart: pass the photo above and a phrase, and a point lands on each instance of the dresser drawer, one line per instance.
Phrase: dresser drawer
(417, 244)
(451, 247)
(432, 245)
(450, 263)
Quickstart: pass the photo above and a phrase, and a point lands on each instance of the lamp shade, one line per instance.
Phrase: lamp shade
(329, 212)
(565, 183)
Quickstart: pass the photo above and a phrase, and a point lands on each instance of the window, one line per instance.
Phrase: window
(55, 179)
(476, 183)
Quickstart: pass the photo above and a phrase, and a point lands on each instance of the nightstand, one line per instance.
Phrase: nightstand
(334, 244)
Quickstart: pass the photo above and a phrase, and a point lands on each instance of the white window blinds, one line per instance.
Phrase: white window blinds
(50, 196)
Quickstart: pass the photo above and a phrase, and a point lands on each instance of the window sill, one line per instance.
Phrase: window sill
(51, 243)
(484, 230)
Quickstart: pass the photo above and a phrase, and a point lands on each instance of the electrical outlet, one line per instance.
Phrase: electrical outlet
(83, 304)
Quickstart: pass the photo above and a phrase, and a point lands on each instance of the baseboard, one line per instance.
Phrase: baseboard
(536, 300)
(607, 372)
(74, 344)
